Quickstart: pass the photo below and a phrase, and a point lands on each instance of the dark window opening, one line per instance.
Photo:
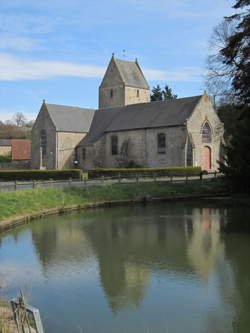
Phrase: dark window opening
(138, 93)
(161, 141)
(83, 154)
(111, 93)
(43, 141)
(114, 145)
(206, 133)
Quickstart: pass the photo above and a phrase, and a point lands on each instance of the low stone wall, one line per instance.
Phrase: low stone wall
(16, 165)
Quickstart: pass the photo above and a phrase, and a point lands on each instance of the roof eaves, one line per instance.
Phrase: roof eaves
(143, 128)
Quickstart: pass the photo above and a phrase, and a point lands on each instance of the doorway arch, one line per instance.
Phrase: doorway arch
(206, 158)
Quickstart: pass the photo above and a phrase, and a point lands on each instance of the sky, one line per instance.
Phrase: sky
(58, 50)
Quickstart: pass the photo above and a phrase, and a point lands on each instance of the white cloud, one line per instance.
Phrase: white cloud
(15, 69)
(19, 43)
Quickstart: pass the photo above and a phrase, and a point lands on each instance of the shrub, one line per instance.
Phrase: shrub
(39, 174)
(5, 158)
(144, 172)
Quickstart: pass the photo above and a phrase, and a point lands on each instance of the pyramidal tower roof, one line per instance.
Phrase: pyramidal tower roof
(130, 73)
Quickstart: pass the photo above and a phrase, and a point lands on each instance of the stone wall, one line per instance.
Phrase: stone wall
(117, 99)
(16, 165)
(5, 150)
(142, 149)
(204, 112)
(66, 144)
(136, 95)
(43, 121)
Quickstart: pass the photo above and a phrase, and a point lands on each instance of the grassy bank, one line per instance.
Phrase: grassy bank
(27, 201)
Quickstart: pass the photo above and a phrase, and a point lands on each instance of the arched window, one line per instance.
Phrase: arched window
(114, 145)
(161, 143)
(43, 141)
(206, 133)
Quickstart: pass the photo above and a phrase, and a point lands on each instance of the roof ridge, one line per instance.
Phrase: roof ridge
(119, 70)
(70, 106)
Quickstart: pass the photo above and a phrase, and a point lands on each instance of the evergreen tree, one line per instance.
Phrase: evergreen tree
(167, 94)
(236, 55)
(156, 94)
(159, 94)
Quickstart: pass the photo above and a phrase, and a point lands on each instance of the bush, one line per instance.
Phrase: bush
(39, 174)
(5, 158)
(144, 172)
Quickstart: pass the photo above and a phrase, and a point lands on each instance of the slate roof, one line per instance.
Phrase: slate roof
(70, 118)
(140, 116)
(131, 74)
(5, 142)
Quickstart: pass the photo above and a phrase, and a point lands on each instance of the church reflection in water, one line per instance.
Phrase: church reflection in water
(131, 243)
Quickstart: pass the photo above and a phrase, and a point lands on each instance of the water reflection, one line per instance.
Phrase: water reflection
(139, 258)
(127, 253)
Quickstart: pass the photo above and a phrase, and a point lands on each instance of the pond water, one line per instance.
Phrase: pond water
(156, 268)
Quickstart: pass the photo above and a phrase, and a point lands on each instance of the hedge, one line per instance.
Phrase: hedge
(5, 158)
(39, 174)
(144, 172)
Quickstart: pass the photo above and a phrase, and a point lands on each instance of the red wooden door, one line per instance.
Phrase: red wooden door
(206, 158)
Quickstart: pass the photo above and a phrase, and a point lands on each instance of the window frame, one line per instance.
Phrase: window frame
(206, 133)
(161, 143)
(83, 154)
(114, 144)
(43, 141)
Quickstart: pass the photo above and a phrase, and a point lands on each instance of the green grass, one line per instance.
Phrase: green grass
(28, 201)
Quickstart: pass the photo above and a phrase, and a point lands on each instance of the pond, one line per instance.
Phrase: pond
(158, 268)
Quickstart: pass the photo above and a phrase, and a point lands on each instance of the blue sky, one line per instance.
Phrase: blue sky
(58, 50)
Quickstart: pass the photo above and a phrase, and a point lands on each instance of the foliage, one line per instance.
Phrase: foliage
(229, 64)
(8, 175)
(236, 164)
(159, 94)
(144, 172)
(28, 201)
(229, 114)
(5, 158)
(236, 56)
(156, 94)
(11, 131)
(168, 94)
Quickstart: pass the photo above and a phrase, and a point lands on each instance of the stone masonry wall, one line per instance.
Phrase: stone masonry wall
(5, 150)
(142, 149)
(132, 98)
(43, 121)
(66, 144)
(203, 112)
(118, 98)
(16, 165)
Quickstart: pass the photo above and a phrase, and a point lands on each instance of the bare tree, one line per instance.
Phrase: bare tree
(19, 119)
(219, 76)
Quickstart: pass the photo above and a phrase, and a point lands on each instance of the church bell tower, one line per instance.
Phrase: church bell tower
(123, 84)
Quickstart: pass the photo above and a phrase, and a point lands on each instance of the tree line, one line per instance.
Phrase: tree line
(229, 79)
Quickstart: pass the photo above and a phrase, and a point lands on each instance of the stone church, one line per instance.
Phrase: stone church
(128, 130)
